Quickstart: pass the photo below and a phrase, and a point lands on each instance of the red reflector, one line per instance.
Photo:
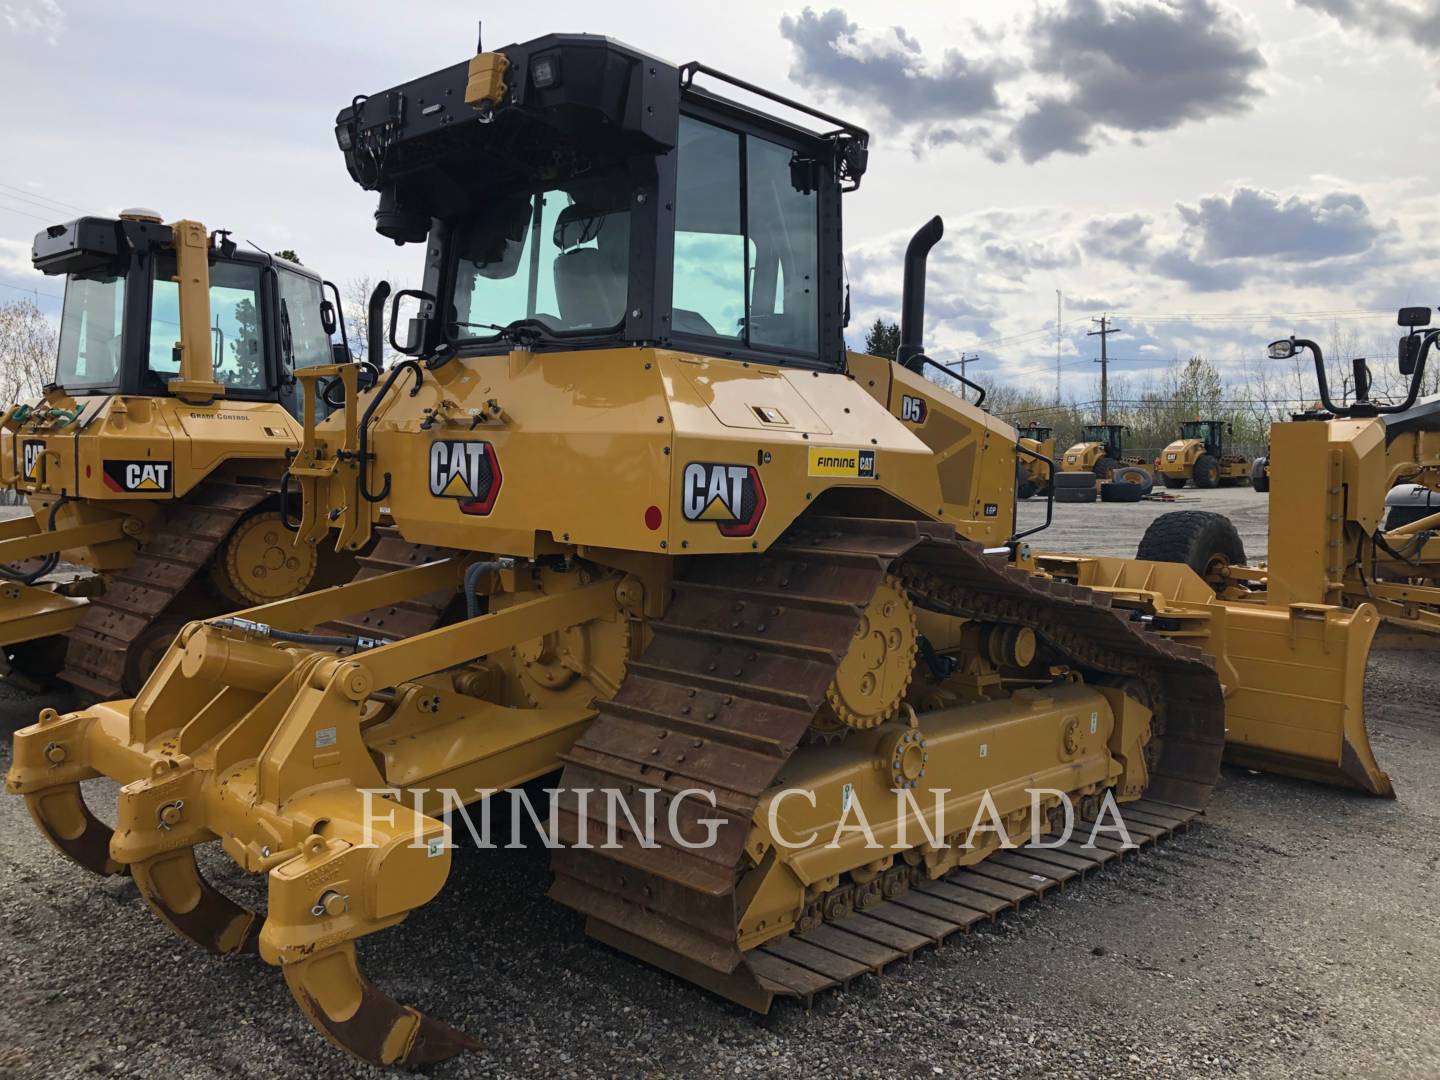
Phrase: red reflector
(652, 518)
(87, 472)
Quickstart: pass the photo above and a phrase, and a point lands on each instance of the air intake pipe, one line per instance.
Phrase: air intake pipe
(912, 301)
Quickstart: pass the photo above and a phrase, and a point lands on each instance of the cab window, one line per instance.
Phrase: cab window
(300, 299)
(746, 241)
(91, 320)
(236, 340)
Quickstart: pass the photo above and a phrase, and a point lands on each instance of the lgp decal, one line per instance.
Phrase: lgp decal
(913, 410)
(34, 451)
(132, 476)
(842, 461)
(467, 471)
(729, 495)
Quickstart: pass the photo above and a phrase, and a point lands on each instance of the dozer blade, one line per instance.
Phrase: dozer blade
(177, 892)
(1295, 693)
(364, 1021)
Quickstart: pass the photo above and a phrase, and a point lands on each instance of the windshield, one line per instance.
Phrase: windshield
(90, 327)
(559, 256)
(1194, 430)
(300, 299)
(238, 351)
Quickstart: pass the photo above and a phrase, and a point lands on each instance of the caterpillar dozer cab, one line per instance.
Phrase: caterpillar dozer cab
(1101, 450)
(1034, 477)
(738, 587)
(1333, 537)
(1199, 455)
(153, 461)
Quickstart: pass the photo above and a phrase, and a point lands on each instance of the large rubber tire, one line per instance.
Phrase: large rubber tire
(1200, 539)
(1260, 474)
(1104, 467)
(1134, 476)
(1206, 472)
(1175, 481)
(1118, 491)
(1075, 494)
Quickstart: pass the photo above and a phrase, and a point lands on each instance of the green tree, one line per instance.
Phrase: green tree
(883, 339)
(289, 253)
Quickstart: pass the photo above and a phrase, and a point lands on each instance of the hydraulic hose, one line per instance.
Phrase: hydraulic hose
(51, 561)
(259, 629)
(472, 581)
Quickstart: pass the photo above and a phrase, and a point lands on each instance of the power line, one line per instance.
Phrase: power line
(31, 292)
(31, 196)
(26, 213)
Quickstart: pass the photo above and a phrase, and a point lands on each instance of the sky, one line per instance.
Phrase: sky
(1212, 175)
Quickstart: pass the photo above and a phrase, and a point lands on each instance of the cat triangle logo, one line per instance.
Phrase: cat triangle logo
(455, 488)
(716, 511)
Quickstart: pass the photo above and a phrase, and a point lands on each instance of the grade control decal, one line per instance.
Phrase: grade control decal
(730, 495)
(467, 471)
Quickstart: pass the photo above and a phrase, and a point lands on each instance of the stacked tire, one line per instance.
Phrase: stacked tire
(1076, 487)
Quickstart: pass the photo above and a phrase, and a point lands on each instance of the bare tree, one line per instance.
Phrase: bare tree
(27, 351)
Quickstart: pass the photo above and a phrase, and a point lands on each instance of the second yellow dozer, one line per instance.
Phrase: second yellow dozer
(758, 601)
(153, 462)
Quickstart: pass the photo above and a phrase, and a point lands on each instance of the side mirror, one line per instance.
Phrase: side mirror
(1414, 316)
(328, 321)
(1281, 350)
(1409, 353)
(415, 328)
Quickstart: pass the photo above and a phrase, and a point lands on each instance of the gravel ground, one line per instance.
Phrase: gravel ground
(1286, 935)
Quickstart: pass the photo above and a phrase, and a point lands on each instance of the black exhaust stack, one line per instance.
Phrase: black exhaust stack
(912, 301)
(375, 325)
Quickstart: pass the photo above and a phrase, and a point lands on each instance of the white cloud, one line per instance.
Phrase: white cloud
(44, 19)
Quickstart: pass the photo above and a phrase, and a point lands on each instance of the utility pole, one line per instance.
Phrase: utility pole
(1059, 317)
(1103, 333)
(965, 358)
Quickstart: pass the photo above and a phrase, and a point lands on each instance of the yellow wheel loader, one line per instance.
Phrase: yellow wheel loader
(1034, 475)
(1199, 456)
(761, 603)
(154, 460)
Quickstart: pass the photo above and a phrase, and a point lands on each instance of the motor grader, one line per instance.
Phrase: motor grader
(153, 461)
(1034, 477)
(1332, 538)
(1199, 456)
(738, 586)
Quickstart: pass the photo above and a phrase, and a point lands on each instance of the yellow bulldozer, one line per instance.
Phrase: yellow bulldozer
(739, 588)
(153, 462)
(1200, 457)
